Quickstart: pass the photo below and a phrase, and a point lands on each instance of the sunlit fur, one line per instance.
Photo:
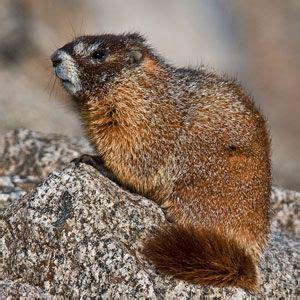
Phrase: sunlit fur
(188, 139)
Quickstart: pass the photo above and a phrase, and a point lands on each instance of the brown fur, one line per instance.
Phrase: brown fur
(191, 141)
(201, 257)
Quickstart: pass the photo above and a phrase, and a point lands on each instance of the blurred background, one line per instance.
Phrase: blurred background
(257, 41)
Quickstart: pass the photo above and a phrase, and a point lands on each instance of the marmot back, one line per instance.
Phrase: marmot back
(190, 140)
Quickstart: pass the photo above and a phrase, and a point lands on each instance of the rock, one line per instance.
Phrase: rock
(33, 154)
(15, 290)
(12, 188)
(77, 234)
(30, 156)
(285, 211)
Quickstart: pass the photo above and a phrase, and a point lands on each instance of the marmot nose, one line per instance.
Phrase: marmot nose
(56, 59)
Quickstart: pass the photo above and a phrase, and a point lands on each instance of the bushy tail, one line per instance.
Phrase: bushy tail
(201, 256)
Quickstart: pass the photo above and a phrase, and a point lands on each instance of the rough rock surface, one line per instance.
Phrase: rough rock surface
(285, 211)
(30, 156)
(15, 290)
(33, 154)
(79, 234)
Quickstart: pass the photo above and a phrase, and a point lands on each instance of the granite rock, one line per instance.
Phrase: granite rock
(285, 211)
(78, 234)
(15, 290)
(33, 154)
(29, 156)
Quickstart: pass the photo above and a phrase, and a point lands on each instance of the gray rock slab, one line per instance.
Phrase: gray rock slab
(77, 234)
(33, 154)
(17, 290)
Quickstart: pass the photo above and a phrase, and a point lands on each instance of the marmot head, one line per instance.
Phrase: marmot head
(86, 64)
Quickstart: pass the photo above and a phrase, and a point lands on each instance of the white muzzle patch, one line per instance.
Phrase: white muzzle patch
(67, 72)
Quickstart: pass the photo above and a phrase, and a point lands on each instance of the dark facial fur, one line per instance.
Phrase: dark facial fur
(90, 62)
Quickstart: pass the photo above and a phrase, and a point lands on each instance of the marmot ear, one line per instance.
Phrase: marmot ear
(134, 56)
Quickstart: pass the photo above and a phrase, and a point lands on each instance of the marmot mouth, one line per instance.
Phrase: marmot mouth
(60, 76)
(65, 80)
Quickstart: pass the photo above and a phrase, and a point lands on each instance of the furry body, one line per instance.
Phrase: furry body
(191, 141)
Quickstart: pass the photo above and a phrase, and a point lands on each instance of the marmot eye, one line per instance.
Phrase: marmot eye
(99, 54)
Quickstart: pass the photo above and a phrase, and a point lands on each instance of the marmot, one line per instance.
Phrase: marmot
(188, 139)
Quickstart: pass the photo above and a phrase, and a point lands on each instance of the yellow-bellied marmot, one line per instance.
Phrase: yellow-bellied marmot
(188, 139)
